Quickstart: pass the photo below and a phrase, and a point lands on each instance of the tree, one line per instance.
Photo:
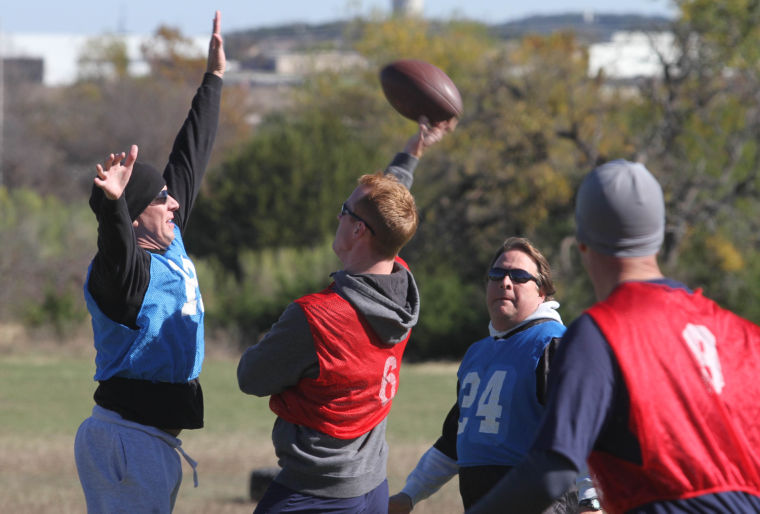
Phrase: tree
(698, 130)
(533, 123)
(105, 57)
(53, 139)
(173, 56)
(283, 189)
(69, 129)
(46, 248)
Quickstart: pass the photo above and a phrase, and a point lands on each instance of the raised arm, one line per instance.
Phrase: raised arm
(192, 146)
(404, 163)
(120, 270)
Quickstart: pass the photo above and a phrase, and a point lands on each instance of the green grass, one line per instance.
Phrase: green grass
(426, 393)
(46, 395)
(43, 394)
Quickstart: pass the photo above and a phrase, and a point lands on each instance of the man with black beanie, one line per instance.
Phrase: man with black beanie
(147, 316)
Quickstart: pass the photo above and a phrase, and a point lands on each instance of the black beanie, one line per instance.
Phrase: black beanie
(144, 185)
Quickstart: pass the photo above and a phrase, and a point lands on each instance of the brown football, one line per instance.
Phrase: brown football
(416, 88)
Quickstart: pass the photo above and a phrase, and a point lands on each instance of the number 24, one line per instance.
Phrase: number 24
(489, 408)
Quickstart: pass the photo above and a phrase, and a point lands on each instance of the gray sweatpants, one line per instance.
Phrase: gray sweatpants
(127, 467)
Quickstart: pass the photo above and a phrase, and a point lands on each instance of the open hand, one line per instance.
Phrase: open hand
(217, 62)
(113, 176)
(428, 135)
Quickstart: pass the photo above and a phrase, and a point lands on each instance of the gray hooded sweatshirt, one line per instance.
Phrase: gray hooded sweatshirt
(313, 462)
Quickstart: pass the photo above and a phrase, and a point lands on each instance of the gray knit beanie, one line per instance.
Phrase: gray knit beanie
(620, 211)
(143, 186)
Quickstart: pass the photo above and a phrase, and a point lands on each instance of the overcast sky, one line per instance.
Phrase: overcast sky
(193, 17)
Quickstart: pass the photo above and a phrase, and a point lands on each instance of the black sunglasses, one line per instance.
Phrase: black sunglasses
(516, 275)
(346, 210)
(161, 197)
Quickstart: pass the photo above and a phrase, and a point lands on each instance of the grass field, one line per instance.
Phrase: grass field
(46, 392)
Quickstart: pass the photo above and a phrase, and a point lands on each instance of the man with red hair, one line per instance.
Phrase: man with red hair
(331, 362)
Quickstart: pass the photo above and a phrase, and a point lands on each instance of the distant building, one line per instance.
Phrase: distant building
(408, 7)
(273, 68)
(60, 53)
(22, 70)
(630, 55)
(293, 63)
(53, 59)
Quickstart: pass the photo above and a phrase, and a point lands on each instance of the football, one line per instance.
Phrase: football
(416, 88)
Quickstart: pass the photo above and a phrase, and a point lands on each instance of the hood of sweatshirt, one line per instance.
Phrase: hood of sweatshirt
(389, 303)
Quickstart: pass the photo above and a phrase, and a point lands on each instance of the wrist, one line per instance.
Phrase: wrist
(415, 150)
(589, 505)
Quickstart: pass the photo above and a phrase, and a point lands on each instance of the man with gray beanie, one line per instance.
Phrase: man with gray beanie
(655, 385)
(147, 316)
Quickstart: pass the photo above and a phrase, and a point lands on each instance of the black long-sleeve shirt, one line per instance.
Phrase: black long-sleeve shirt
(120, 272)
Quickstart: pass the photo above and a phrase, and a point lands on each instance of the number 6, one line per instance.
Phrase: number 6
(389, 380)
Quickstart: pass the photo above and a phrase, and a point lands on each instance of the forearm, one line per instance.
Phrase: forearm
(433, 470)
(531, 486)
(281, 359)
(438, 464)
(402, 167)
(116, 238)
(193, 145)
(404, 163)
(121, 270)
(447, 443)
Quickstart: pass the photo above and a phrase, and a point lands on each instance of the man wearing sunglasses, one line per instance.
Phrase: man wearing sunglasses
(655, 385)
(331, 362)
(501, 388)
(147, 316)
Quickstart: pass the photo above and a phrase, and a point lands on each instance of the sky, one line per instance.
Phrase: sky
(193, 17)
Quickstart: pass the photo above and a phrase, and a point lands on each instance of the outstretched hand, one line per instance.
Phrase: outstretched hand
(113, 176)
(428, 135)
(217, 62)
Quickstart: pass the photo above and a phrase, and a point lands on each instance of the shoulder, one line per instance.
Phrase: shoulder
(551, 328)
(319, 296)
(584, 335)
(543, 329)
(478, 351)
(480, 343)
(584, 348)
(292, 327)
(293, 312)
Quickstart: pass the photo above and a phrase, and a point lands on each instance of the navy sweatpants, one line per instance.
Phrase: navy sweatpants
(279, 498)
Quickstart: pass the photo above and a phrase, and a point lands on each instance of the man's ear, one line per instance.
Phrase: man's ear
(360, 228)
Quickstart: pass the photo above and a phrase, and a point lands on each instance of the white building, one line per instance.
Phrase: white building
(632, 54)
(60, 52)
(627, 55)
(408, 7)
